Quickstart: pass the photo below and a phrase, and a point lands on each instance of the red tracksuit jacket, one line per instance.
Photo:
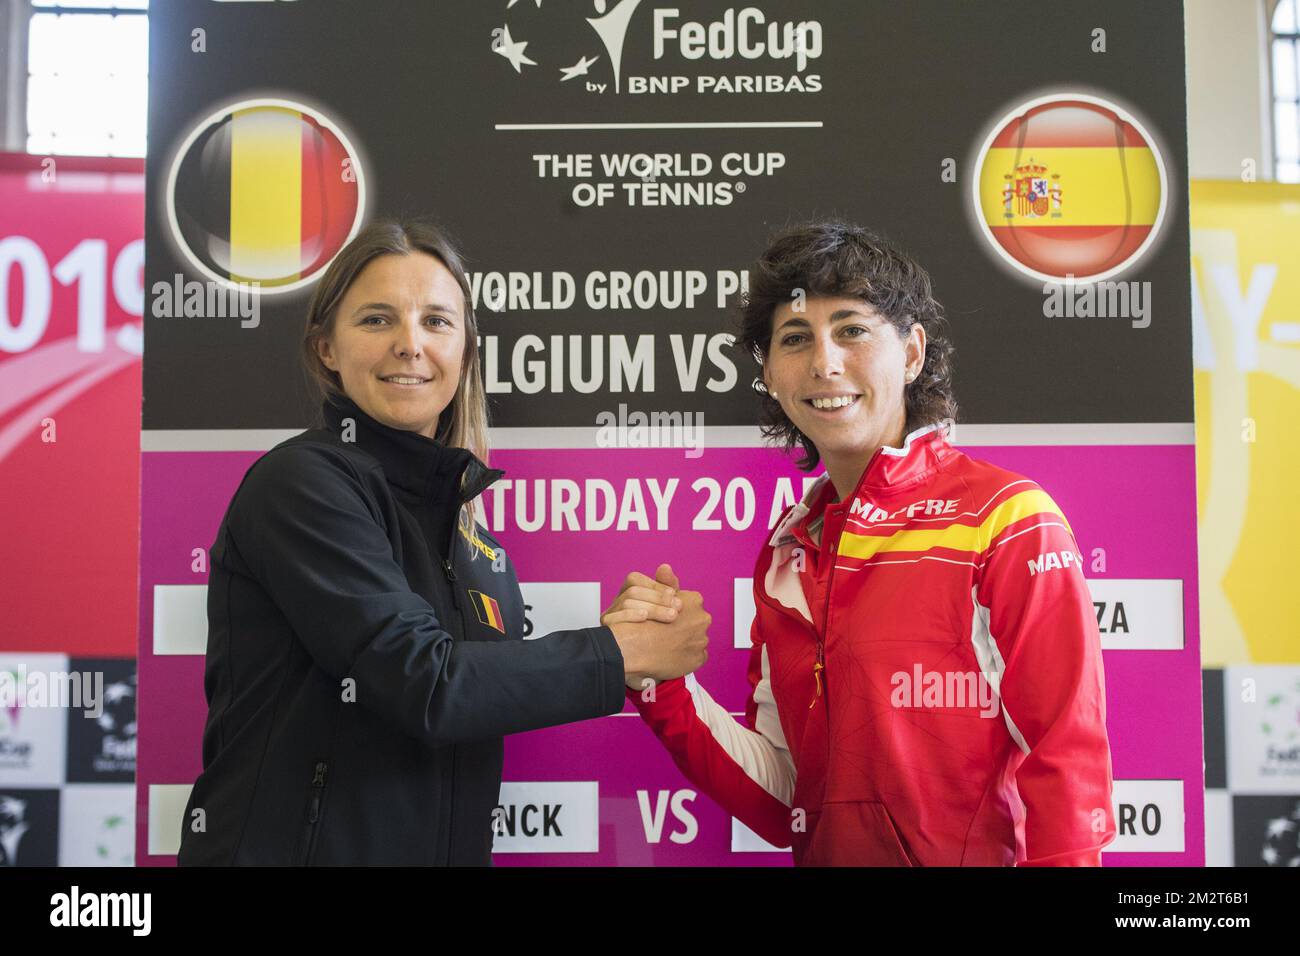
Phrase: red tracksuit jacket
(926, 678)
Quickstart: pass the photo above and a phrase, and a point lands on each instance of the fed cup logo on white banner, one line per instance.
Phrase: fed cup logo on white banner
(265, 192)
(747, 36)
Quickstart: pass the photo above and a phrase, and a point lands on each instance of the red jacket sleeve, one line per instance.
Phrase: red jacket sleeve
(1040, 642)
(748, 771)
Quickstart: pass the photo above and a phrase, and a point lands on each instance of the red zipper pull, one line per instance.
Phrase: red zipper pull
(817, 675)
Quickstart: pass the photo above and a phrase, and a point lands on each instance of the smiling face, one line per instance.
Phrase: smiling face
(839, 370)
(398, 341)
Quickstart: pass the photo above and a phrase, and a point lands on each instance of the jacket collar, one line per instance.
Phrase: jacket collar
(414, 462)
(894, 469)
(890, 470)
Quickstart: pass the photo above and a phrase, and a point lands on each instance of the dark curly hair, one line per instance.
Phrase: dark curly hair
(833, 258)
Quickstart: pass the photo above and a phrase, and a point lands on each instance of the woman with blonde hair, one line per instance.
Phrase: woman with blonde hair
(365, 653)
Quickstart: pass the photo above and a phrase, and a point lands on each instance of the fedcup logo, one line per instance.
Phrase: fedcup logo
(747, 35)
(610, 24)
(266, 192)
(1069, 186)
(1280, 728)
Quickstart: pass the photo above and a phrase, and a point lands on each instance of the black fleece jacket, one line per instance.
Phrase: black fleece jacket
(365, 658)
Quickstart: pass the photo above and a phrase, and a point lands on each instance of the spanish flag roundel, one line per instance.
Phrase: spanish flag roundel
(1069, 186)
(265, 191)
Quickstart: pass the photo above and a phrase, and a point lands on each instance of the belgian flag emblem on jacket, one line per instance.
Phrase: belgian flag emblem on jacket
(488, 611)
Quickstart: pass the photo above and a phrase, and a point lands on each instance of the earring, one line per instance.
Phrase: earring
(773, 394)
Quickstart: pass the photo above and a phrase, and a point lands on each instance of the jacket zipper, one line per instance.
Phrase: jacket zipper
(450, 571)
(820, 666)
(318, 782)
(313, 814)
(832, 548)
(817, 674)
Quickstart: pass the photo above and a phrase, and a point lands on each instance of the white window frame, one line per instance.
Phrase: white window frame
(15, 24)
(15, 18)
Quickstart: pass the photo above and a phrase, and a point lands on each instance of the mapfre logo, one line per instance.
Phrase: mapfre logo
(745, 36)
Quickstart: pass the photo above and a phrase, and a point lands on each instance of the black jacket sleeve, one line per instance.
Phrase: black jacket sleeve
(304, 525)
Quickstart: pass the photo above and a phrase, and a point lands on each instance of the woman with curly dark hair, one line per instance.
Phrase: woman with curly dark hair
(926, 669)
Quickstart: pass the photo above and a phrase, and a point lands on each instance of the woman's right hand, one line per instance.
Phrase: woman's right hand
(662, 632)
(646, 599)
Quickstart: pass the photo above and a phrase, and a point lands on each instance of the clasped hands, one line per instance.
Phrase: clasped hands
(662, 630)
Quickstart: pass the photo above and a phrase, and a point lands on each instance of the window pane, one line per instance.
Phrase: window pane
(1284, 17)
(1284, 76)
(127, 49)
(87, 87)
(1288, 172)
(1286, 127)
(40, 144)
(128, 96)
(74, 43)
(43, 53)
(75, 113)
(45, 103)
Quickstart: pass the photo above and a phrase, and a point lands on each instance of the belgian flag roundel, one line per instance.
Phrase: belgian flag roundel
(1069, 185)
(265, 191)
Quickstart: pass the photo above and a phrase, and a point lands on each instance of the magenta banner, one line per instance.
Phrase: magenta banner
(622, 800)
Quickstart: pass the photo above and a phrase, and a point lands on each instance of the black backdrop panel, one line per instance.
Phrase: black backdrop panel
(421, 91)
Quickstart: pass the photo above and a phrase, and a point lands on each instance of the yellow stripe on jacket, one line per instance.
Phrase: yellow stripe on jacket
(957, 537)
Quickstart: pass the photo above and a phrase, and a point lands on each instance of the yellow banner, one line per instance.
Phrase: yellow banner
(1246, 331)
